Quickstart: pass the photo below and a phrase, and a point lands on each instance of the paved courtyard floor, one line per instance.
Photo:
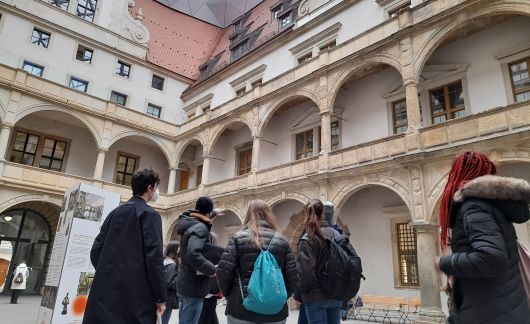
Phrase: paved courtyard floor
(26, 311)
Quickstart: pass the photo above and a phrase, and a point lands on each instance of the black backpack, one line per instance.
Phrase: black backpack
(341, 271)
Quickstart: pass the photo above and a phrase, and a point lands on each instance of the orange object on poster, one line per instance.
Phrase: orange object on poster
(79, 305)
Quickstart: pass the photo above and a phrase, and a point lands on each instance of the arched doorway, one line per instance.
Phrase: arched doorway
(24, 236)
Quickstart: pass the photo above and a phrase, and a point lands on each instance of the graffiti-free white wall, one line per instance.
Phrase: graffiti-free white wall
(223, 161)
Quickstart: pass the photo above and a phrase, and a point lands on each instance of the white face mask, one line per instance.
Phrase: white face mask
(155, 196)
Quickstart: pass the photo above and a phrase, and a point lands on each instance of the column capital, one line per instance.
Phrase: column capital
(173, 169)
(8, 126)
(256, 138)
(326, 113)
(103, 150)
(410, 83)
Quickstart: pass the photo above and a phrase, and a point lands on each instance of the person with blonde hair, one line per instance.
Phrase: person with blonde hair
(235, 269)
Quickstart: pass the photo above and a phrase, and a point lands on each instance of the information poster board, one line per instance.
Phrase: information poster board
(70, 272)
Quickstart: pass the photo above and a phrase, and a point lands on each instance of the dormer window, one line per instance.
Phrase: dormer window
(241, 49)
(285, 19)
(238, 24)
(277, 10)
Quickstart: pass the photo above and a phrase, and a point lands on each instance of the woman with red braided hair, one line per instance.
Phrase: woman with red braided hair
(480, 209)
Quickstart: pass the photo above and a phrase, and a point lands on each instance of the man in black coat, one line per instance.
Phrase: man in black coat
(129, 285)
(195, 269)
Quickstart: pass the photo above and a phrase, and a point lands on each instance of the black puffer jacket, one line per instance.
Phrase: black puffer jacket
(195, 269)
(240, 254)
(307, 262)
(170, 275)
(487, 282)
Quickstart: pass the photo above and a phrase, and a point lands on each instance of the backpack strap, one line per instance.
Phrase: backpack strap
(270, 243)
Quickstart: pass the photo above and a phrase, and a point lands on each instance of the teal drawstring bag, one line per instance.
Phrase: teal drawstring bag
(266, 290)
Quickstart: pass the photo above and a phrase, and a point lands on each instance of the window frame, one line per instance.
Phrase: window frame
(52, 158)
(198, 175)
(527, 89)
(77, 13)
(40, 147)
(394, 222)
(59, 6)
(35, 65)
(393, 114)
(128, 156)
(118, 70)
(73, 78)
(152, 105)
(153, 76)
(41, 31)
(118, 93)
(316, 142)
(448, 110)
(86, 48)
(247, 150)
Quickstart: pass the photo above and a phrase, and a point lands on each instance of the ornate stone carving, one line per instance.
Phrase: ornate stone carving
(134, 28)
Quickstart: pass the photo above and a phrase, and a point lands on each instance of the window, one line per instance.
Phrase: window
(238, 23)
(285, 21)
(447, 102)
(86, 9)
(157, 82)
(205, 109)
(53, 154)
(240, 49)
(118, 98)
(399, 116)
(304, 144)
(276, 11)
(198, 180)
(520, 79)
(328, 46)
(240, 92)
(236, 38)
(154, 110)
(123, 69)
(24, 148)
(78, 84)
(204, 72)
(335, 135)
(40, 38)
(244, 158)
(84, 54)
(33, 68)
(407, 255)
(125, 167)
(62, 4)
(304, 58)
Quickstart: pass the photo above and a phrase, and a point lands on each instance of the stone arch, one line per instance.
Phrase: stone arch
(160, 144)
(89, 124)
(349, 190)
(344, 75)
(284, 196)
(441, 33)
(8, 204)
(217, 133)
(267, 114)
(3, 111)
(182, 148)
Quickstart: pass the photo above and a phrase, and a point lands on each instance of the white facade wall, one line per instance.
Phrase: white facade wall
(371, 235)
(365, 112)
(60, 63)
(220, 224)
(284, 211)
(223, 160)
(150, 156)
(82, 154)
(192, 157)
(356, 19)
(280, 131)
(485, 77)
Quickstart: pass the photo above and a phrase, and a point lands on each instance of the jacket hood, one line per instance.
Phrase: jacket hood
(511, 195)
(190, 218)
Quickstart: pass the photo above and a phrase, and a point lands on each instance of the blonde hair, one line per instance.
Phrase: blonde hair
(258, 210)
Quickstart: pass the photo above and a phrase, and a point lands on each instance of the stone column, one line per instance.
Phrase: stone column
(205, 169)
(413, 106)
(98, 171)
(325, 132)
(5, 133)
(172, 179)
(256, 147)
(431, 304)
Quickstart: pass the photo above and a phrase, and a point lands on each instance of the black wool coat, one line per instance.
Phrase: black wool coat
(127, 256)
(487, 285)
(194, 270)
(239, 257)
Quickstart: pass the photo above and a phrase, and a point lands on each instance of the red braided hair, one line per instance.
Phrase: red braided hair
(466, 166)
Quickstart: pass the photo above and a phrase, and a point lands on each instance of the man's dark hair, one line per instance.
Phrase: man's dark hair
(142, 179)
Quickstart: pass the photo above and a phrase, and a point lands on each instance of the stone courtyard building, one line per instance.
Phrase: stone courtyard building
(363, 103)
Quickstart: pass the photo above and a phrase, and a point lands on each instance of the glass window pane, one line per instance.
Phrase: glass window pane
(520, 76)
(119, 178)
(456, 95)
(130, 168)
(45, 162)
(121, 167)
(522, 96)
(31, 148)
(10, 224)
(28, 159)
(16, 157)
(437, 101)
(127, 179)
(57, 165)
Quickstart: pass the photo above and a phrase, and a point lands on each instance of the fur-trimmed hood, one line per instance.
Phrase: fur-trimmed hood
(512, 195)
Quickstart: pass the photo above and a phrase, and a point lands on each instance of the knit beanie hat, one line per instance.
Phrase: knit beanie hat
(204, 205)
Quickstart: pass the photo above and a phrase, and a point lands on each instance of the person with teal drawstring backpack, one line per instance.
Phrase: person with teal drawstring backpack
(257, 272)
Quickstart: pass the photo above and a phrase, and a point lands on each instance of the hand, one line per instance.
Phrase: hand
(217, 212)
(160, 309)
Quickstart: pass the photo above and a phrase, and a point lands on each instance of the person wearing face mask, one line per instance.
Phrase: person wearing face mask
(129, 284)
